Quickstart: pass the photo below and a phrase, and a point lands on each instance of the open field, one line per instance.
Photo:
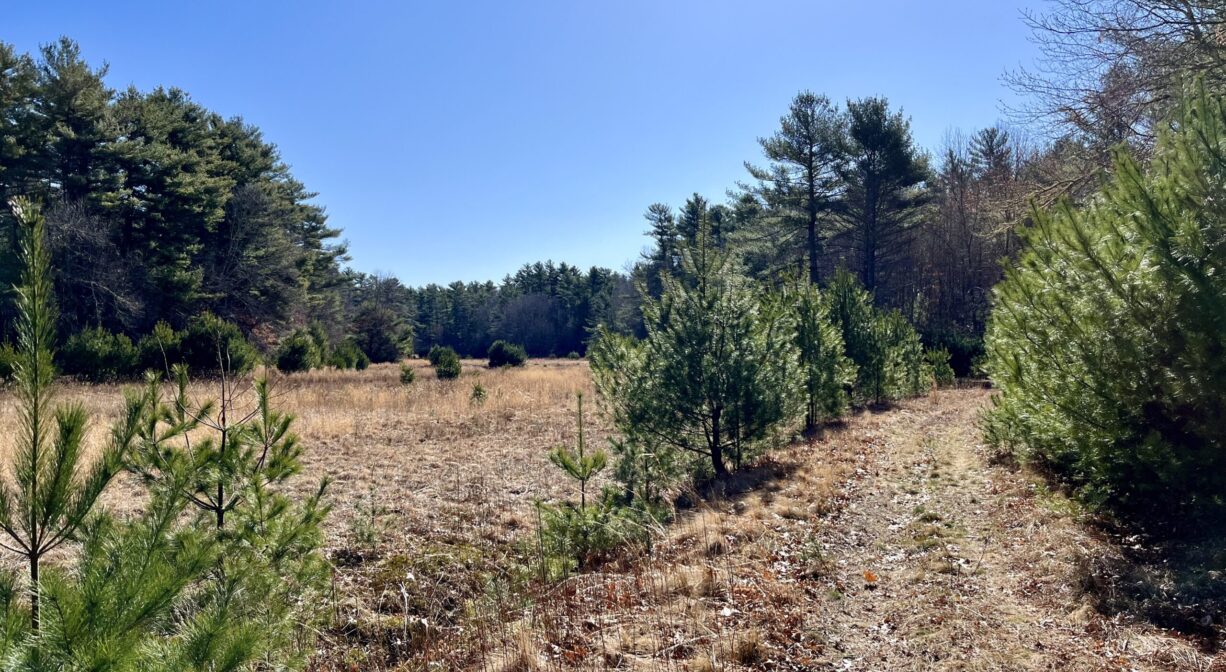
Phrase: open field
(893, 542)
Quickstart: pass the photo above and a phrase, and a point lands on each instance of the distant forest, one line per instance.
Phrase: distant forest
(159, 210)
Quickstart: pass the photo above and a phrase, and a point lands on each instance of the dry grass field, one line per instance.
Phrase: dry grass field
(893, 542)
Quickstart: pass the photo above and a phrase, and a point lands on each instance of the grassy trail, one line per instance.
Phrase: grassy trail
(944, 560)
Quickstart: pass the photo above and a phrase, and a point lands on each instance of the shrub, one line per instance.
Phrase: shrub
(963, 350)
(299, 352)
(851, 308)
(1106, 337)
(211, 346)
(319, 337)
(717, 374)
(939, 363)
(436, 353)
(407, 374)
(161, 349)
(479, 395)
(906, 371)
(347, 355)
(579, 536)
(573, 355)
(502, 354)
(97, 355)
(448, 365)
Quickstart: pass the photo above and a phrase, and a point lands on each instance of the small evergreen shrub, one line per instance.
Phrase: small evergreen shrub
(963, 350)
(851, 308)
(407, 375)
(448, 365)
(479, 395)
(575, 536)
(97, 355)
(300, 352)
(436, 353)
(320, 338)
(161, 349)
(573, 355)
(906, 370)
(883, 345)
(211, 346)
(378, 332)
(939, 363)
(347, 355)
(502, 354)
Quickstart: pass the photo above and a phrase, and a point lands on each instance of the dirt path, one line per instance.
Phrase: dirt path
(945, 561)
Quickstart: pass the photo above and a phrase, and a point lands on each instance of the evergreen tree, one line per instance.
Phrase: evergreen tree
(1106, 337)
(157, 208)
(717, 371)
(72, 109)
(377, 333)
(801, 186)
(53, 491)
(883, 345)
(662, 259)
(826, 371)
(885, 175)
(580, 464)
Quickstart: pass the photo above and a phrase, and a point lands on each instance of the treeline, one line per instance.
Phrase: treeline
(163, 216)
(843, 188)
(550, 309)
(158, 210)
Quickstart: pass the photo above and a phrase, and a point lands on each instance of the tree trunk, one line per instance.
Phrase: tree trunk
(811, 179)
(813, 277)
(717, 448)
(871, 206)
(35, 619)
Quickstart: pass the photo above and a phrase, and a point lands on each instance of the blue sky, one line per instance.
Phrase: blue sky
(460, 140)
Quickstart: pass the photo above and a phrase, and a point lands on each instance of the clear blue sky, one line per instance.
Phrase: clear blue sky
(459, 140)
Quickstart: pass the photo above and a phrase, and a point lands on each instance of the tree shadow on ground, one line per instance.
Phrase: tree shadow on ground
(764, 475)
(1177, 585)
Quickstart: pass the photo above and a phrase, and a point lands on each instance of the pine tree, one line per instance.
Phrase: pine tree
(883, 345)
(717, 371)
(801, 186)
(53, 491)
(884, 174)
(826, 370)
(580, 464)
(1106, 337)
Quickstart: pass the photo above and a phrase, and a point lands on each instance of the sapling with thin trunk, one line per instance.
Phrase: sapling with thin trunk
(580, 464)
(52, 490)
